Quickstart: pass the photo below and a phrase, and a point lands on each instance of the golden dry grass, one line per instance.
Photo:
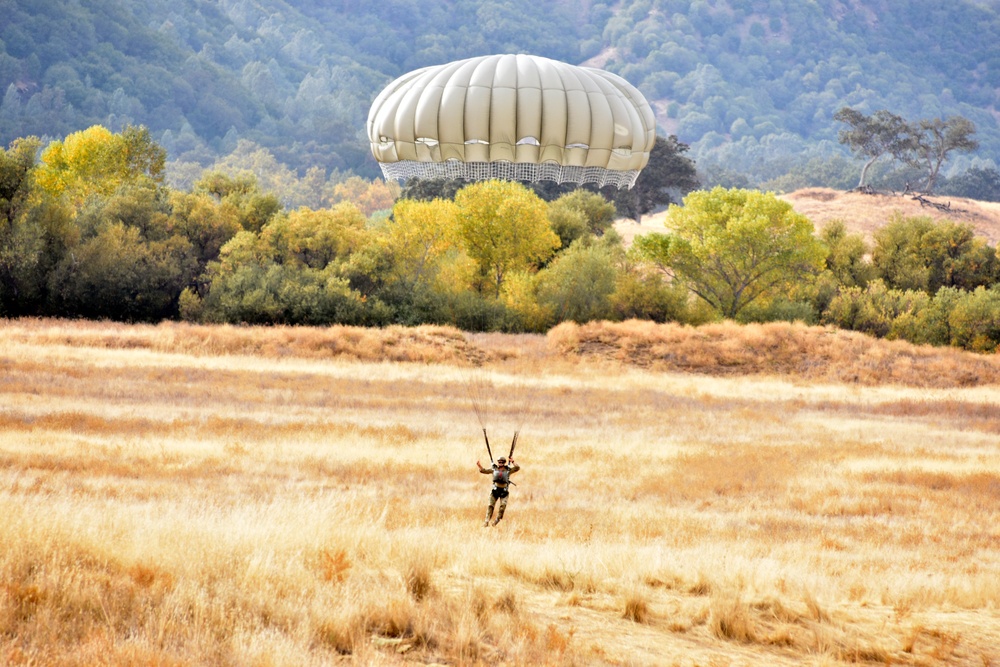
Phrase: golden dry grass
(863, 214)
(779, 348)
(166, 501)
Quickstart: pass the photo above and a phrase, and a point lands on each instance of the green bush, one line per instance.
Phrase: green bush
(975, 320)
(874, 309)
(577, 285)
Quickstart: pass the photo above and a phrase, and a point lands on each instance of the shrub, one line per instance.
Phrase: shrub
(872, 310)
(975, 320)
(578, 283)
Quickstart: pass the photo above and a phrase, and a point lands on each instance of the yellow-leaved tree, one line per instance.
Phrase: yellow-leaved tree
(316, 238)
(98, 161)
(504, 228)
(418, 237)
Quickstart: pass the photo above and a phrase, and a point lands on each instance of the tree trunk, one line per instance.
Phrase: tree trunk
(864, 171)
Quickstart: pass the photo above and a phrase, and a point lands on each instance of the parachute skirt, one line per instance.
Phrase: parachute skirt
(508, 171)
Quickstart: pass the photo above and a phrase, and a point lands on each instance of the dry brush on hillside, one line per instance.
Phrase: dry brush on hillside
(780, 349)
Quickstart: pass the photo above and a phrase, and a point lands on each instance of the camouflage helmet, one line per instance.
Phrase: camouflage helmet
(501, 460)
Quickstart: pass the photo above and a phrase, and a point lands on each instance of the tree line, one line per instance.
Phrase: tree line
(88, 229)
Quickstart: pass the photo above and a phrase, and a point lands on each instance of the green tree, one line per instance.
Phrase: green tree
(116, 274)
(202, 220)
(896, 255)
(919, 253)
(936, 138)
(578, 283)
(642, 291)
(875, 309)
(20, 241)
(956, 257)
(32, 246)
(976, 183)
(847, 255)
(428, 189)
(504, 227)
(253, 208)
(568, 222)
(932, 325)
(16, 164)
(250, 283)
(291, 272)
(733, 247)
(598, 212)
(579, 213)
(871, 137)
(975, 320)
(126, 261)
(669, 174)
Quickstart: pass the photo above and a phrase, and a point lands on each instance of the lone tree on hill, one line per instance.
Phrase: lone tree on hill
(876, 135)
(935, 138)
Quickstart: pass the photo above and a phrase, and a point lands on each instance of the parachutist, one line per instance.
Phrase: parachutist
(501, 480)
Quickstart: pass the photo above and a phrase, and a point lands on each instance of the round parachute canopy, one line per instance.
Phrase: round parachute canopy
(513, 117)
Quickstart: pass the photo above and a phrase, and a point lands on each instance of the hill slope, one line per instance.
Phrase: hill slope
(861, 213)
(751, 84)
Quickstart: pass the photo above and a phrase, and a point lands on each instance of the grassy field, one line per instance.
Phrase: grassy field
(184, 495)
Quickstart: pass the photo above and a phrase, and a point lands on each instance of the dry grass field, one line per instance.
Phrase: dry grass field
(186, 495)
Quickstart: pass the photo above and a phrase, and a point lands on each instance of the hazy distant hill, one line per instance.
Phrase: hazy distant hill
(751, 84)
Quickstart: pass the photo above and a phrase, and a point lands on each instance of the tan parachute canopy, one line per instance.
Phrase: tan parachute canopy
(515, 117)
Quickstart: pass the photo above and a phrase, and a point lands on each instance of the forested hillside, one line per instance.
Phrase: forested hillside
(752, 85)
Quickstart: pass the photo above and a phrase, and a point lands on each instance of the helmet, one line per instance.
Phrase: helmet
(501, 460)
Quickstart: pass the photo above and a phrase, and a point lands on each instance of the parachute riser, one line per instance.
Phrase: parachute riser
(513, 444)
(486, 437)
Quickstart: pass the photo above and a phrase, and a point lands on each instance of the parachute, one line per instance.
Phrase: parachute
(514, 117)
